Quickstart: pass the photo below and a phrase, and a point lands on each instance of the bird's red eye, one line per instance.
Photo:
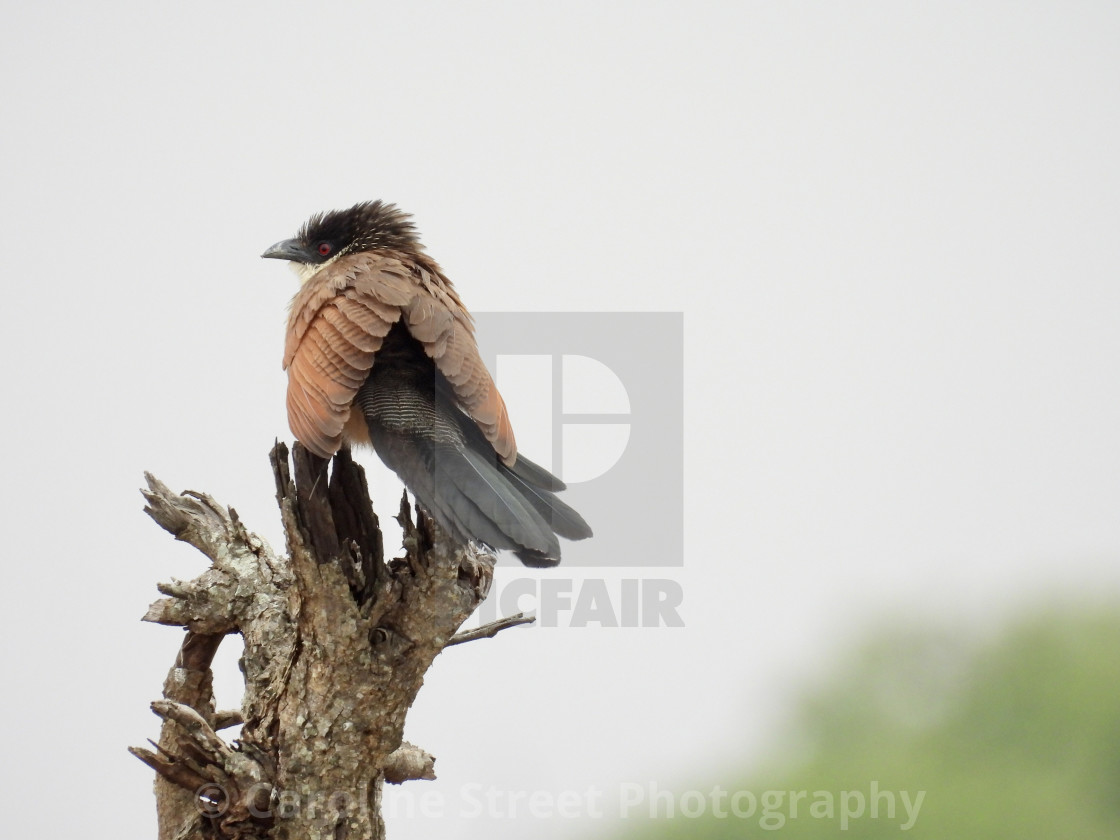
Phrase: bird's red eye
(324, 249)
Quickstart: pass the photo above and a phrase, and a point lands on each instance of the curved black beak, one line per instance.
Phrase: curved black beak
(289, 249)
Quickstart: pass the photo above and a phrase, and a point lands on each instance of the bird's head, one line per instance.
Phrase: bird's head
(325, 237)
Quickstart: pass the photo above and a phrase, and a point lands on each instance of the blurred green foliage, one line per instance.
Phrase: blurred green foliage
(1016, 737)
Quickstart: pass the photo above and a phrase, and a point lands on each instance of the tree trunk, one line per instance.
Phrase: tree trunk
(337, 641)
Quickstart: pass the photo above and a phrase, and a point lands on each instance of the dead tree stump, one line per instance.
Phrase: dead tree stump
(337, 641)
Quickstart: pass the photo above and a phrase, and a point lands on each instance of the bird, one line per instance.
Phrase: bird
(380, 351)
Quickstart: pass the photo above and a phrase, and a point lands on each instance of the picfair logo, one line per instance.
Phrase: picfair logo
(597, 398)
(573, 410)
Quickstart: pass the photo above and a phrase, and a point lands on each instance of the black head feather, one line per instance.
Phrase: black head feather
(363, 227)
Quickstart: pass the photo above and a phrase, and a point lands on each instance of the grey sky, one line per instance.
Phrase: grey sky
(892, 229)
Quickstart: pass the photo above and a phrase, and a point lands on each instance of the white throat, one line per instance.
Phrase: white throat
(305, 271)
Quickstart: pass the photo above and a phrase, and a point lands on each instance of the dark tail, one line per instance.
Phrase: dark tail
(447, 463)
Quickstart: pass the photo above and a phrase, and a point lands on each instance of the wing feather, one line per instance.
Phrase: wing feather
(337, 323)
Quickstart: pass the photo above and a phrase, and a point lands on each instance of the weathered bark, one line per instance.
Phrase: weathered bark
(337, 641)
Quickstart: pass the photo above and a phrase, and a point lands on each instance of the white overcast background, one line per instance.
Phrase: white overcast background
(893, 229)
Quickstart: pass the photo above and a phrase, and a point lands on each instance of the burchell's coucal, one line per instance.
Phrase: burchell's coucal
(381, 351)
